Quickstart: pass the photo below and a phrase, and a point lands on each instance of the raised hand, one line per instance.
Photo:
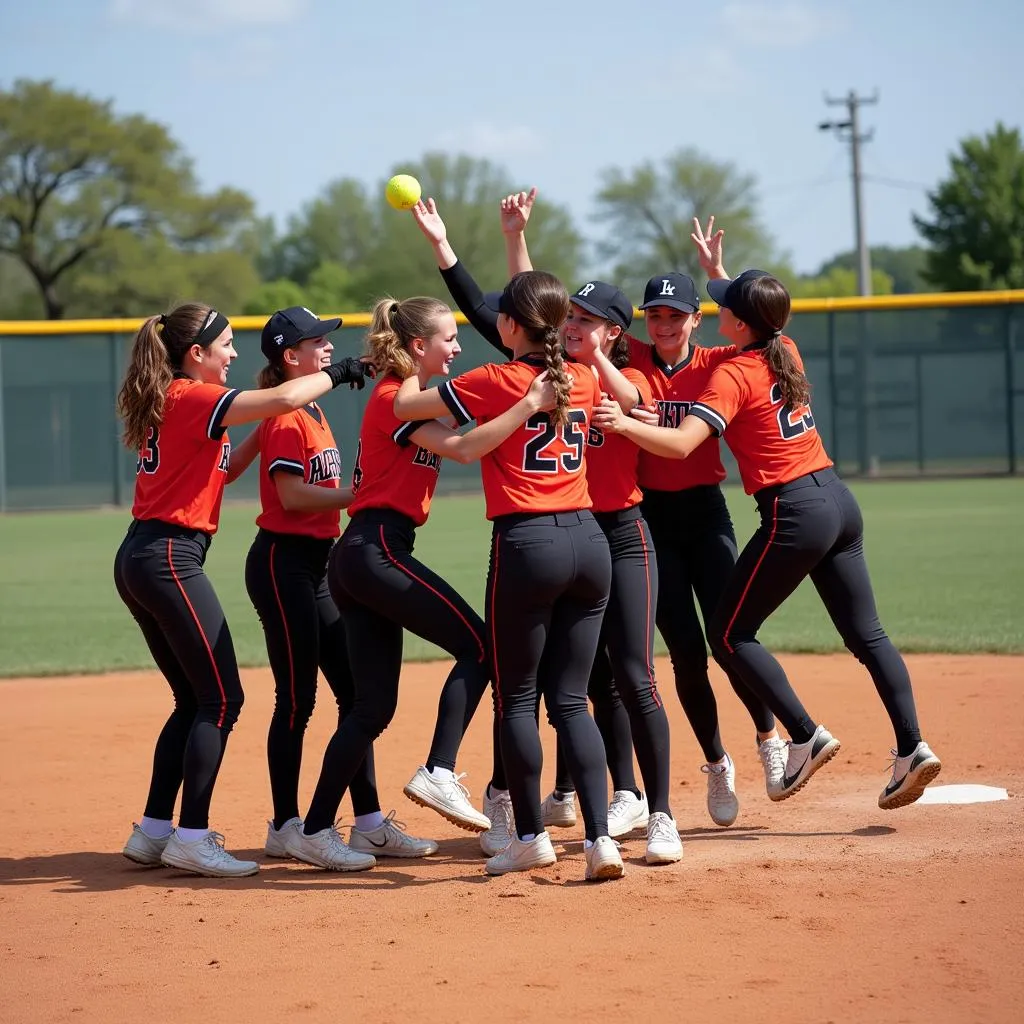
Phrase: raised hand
(425, 214)
(515, 211)
(709, 247)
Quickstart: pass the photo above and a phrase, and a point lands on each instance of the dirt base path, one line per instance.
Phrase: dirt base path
(823, 908)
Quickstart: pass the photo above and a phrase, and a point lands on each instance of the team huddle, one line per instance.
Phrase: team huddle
(601, 473)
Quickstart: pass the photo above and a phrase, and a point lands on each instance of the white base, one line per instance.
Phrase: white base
(962, 794)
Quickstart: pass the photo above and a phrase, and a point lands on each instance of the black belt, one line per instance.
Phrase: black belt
(819, 478)
(543, 518)
(609, 520)
(158, 528)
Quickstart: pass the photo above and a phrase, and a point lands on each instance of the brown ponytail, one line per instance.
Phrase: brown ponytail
(271, 376)
(764, 304)
(157, 352)
(393, 327)
(539, 303)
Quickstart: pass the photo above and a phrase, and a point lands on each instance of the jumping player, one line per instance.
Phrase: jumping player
(811, 524)
(286, 577)
(550, 570)
(381, 589)
(176, 408)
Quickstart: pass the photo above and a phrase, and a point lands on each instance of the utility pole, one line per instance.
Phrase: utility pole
(849, 130)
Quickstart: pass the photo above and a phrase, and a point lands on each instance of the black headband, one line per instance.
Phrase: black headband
(213, 327)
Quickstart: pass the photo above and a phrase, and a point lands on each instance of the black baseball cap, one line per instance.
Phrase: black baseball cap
(287, 327)
(606, 301)
(673, 289)
(729, 292)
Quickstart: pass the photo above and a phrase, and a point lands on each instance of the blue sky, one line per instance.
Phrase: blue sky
(279, 97)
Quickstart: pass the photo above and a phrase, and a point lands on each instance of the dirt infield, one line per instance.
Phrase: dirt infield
(819, 909)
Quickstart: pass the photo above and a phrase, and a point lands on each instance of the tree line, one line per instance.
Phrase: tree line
(101, 214)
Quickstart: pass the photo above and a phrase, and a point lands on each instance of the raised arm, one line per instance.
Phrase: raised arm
(669, 442)
(413, 403)
(709, 247)
(262, 403)
(515, 214)
(476, 443)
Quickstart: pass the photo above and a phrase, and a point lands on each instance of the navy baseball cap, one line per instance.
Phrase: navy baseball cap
(728, 292)
(675, 290)
(606, 301)
(287, 327)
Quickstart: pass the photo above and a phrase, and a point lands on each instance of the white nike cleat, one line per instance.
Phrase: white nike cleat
(498, 810)
(520, 856)
(627, 812)
(277, 837)
(910, 775)
(206, 856)
(326, 849)
(773, 760)
(803, 760)
(390, 840)
(449, 798)
(603, 860)
(723, 804)
(663, 843)
(558, 812)
(145, 849)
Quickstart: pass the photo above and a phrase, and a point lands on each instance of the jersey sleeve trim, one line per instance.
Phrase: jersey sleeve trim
(287, 466)
(403, 435)
(713, 419)
(215, 427)
(451, 399)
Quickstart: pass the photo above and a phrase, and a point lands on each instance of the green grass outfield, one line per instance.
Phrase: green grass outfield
(946, 556)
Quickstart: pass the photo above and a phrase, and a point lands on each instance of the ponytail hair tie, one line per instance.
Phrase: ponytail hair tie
(393, 310)
(161, 320)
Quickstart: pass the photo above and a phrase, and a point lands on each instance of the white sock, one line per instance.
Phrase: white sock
(441, 774)
(192, 835)
(369, 822)
(156, 828)
(528, 838)
(588, 843)
(723, 763)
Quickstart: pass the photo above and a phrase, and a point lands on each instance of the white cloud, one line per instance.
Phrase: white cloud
(498, 142)
(194, 15)
(790, 25)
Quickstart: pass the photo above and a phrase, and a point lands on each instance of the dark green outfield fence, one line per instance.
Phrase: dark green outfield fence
(902, 385)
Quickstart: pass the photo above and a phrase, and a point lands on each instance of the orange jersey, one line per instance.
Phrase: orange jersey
(612, 460)
(390, 471)
(300, 443)
(675, 389)
(773, 443)
(183, 465)
(539, 467)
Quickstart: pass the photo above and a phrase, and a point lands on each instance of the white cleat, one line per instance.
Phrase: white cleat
(390, 840)
(326, 849)
(723, 804)
(663, 843)
(520, 856)
(498, 810)
(803, 760)
(603, 860)
(910, 775)
(145, 849)
(206, 856)
(275, 846)
(449, 798)
(559, 812)
(627, 812)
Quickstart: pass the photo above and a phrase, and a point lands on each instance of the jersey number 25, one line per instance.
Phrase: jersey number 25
(574, 437)
(791, 423)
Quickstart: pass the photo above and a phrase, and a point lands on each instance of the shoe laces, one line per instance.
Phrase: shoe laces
(395, 829)
(773, 754)
(215, 840)
(456, 789)
(661, 829)
(622, 803)
(718, 781)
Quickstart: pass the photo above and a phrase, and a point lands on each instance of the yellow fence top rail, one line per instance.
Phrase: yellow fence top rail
(930, 300)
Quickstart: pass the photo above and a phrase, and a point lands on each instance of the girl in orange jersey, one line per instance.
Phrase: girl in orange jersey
(286, 577)
(550, 570)
(381, 589)
(176, 408)
(811, 525)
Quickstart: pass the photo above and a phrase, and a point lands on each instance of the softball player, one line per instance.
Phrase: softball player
(550, 571)
(286, 577)
(811, 525)
(176, 408)
(381, 589)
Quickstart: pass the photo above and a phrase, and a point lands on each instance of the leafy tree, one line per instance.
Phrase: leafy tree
(99, 209)
(837, 282)
(649, 213)
(904, 266)
(976, 227)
